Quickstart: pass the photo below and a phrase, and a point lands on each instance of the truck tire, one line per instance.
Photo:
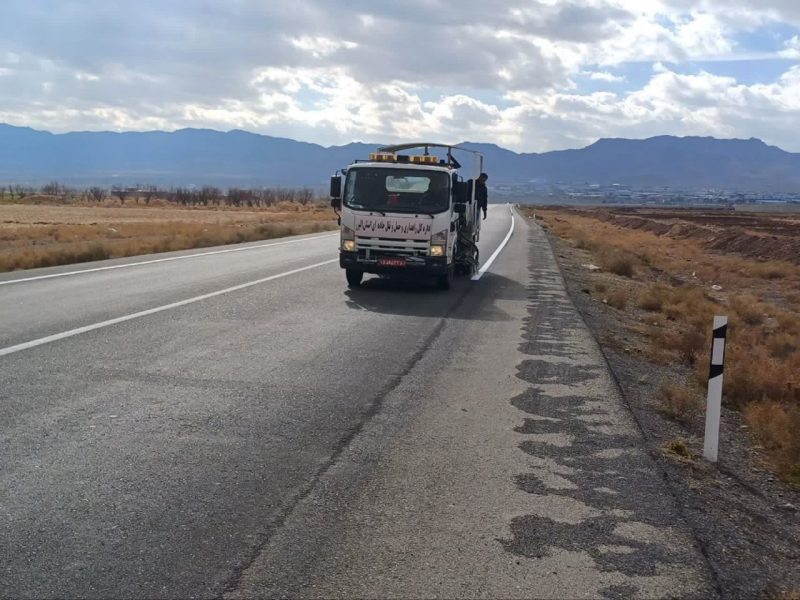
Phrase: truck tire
(445, 282)
(354, 277)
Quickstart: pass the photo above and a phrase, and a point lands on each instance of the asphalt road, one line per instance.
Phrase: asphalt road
(236, 422)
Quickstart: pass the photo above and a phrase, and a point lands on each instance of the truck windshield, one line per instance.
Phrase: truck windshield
(397, 190)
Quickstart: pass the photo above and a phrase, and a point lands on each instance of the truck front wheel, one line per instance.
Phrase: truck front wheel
(354, 277)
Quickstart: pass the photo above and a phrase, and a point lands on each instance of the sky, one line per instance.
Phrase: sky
(532, 75)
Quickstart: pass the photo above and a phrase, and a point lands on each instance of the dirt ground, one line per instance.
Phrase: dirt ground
(744, 513)
(759, 236)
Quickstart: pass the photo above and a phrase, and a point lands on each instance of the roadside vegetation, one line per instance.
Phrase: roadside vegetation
(666, 283)
(56, 225)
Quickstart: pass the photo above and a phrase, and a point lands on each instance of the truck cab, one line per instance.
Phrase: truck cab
(407, 215)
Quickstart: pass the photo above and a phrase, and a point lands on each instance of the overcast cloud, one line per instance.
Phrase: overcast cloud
(530, 75)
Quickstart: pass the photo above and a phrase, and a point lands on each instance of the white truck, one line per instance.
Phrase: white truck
(408, 215)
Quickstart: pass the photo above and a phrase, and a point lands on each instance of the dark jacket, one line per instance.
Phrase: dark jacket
(481, 194)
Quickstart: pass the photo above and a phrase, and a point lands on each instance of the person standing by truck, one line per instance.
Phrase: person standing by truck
(481, 193)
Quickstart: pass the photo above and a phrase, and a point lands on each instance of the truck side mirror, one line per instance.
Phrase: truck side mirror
(460, 191)
(336, 191)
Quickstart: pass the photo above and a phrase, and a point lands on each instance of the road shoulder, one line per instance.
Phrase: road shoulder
(743, 516)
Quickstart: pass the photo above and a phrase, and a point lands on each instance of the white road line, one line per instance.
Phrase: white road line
(171, 258)
(497, 252)
(151, 311)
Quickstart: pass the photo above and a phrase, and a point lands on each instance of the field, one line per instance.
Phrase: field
(41, 231)
(662, 275)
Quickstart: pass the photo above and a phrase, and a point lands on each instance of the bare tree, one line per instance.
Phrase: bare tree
(120, 193)
(51, 189)
(149, 193)
(209, 194)
(269, 196)
(97, 194)
(305, 196)
(183, 196)
(21, 191)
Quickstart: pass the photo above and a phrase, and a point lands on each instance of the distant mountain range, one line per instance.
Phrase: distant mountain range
(239, 158)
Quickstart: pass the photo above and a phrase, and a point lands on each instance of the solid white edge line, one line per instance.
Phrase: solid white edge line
(497, 252)
(170, 258)
(151, 311)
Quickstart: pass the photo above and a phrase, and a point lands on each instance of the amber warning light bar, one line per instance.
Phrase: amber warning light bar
(391, 157)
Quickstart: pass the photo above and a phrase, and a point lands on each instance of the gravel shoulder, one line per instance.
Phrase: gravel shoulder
(745, 520)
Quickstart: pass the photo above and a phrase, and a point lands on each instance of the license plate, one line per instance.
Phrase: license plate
(391, 262)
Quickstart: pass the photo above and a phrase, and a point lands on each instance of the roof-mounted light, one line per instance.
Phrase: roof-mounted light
(426, 159)
(382, 156)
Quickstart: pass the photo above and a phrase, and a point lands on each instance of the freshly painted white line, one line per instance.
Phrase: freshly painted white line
(170, 258)
(151, 311)
(497, 252)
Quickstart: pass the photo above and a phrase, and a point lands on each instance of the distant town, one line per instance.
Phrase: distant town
(622, 194)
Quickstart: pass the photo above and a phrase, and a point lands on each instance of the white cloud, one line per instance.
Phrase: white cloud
(702, 104)
(321, 46)
(332, 71)
(604, 76)
(791, 48)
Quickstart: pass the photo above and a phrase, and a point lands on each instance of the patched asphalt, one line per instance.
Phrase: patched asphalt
(503, 464)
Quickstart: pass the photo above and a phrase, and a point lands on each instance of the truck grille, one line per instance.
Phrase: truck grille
(407, 247)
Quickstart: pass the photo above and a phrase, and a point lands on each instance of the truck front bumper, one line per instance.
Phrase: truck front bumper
(414, 265)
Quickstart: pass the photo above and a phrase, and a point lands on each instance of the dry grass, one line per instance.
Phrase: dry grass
(653, 297)
(42, 236)
(618, 299)
(775, 425)
(679, 286)
(768, 270)
(679, 450)
(749, 308)
(617, 262)
(678, 401)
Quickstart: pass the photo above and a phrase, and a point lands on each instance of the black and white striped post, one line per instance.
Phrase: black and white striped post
(714, 399)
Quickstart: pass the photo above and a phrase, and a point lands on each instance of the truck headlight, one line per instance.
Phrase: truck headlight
(437, 250)
(348, 239)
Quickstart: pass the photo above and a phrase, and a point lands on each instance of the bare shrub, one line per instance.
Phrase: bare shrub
(749, 308)
(752, 375)
(619, 263)
(782, 345)
(678, 401)
(653, 297)
(772, 269)
(775, 426)
(582, 242)
(618, 299)
(691, 344)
